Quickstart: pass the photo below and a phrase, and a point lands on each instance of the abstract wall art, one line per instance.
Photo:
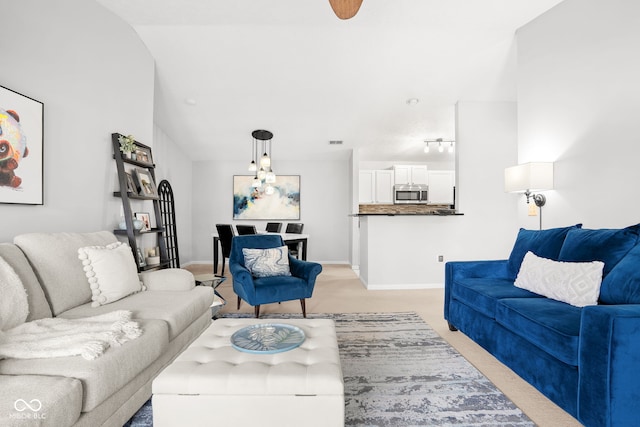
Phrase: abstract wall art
(254, 203)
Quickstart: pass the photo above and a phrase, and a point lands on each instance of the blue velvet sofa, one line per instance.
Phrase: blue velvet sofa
(585, 359)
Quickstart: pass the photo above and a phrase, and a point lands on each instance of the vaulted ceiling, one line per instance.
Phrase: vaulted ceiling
(225, 68)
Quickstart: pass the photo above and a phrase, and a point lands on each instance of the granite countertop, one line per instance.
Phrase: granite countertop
(405, 209)
(409, 214)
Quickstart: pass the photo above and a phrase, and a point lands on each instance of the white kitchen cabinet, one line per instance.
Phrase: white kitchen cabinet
(410, 174)
(441, 184)
(375, 186)
(384, 186)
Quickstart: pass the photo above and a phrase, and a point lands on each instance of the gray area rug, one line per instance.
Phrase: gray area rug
(400, 372)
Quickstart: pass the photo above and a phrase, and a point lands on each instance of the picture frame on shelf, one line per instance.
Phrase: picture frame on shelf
(141, 261)
(21, 149)
(146, 220)
(144, 183)
(143, 155)
(131, 185)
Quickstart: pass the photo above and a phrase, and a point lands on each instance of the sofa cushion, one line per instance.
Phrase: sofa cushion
(544, 243)
(606, 245)
(576, 283)
(111, 272)
(622, 284)
(14, 304)
(483, 293)
(551, 325)
(36, 400)
(168, 279)
(54, 258)
(105, 375)
(38, 305)
(281, 288)
(178, 309)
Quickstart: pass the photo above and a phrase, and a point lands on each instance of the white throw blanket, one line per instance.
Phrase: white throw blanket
(88, 337)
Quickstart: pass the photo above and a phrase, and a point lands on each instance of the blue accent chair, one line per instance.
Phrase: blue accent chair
(266, 290)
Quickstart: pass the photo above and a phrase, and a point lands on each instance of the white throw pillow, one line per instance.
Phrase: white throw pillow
(111, 271)
(267, 262)
(576, 283)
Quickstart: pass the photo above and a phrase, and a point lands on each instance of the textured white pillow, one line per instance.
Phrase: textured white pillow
(111, 271)
(267, 262)
(576, 283)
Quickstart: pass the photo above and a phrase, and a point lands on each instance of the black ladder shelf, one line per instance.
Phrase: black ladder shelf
(127, 195)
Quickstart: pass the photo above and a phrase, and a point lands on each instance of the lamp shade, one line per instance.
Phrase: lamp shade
(537, 176)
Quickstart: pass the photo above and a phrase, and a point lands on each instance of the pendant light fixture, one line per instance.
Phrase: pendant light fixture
(263, 172)
(252, 165)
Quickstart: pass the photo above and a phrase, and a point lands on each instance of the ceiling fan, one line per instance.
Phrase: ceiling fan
(345, 9)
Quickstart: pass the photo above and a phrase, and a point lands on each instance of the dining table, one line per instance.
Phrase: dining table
(286, 237)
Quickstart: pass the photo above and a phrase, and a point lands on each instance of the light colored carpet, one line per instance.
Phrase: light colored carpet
(338, 290)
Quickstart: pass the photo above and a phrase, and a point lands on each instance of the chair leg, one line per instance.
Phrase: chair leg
(304, 307)
(238, 303)
(222, 274)
(257, 311)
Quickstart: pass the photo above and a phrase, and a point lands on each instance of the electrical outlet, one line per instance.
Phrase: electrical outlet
(533, 209)
(440, 258)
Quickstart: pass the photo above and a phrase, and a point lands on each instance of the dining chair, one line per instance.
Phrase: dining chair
(273, 227)
(261, 278)
(246, 229)
(294, 228)
(225, 234)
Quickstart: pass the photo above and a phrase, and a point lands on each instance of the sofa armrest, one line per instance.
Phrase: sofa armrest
(609, 357)
(170, 279)
(454, 270)
(488, 269)
(243, 284)
(304, 269)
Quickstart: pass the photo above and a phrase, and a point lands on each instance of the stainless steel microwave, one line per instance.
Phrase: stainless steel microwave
(407, 194)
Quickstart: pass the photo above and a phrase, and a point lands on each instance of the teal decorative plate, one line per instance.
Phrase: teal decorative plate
(267, 338)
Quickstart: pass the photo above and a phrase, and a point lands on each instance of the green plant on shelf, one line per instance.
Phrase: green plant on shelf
(127, 144)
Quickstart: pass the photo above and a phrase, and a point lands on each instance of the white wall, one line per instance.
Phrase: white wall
(485, 136)
(175, 166)
(95, 77)
(579, 105)
(403, 251)
(324, 204)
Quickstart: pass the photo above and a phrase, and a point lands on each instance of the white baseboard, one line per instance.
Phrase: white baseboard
(186, 264)
(402, 287)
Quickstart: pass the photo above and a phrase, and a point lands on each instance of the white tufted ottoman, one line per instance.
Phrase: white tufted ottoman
(211, 383)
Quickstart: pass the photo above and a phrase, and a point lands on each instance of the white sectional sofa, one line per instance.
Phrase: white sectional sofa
(71, 391)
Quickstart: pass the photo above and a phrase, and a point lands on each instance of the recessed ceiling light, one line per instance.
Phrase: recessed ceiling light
(190, 101)
(412, 101)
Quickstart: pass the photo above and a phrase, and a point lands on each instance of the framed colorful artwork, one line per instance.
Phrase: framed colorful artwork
(21, 149)
(255, 203)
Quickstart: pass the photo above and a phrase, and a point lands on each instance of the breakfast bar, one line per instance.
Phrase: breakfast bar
(405, 250)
